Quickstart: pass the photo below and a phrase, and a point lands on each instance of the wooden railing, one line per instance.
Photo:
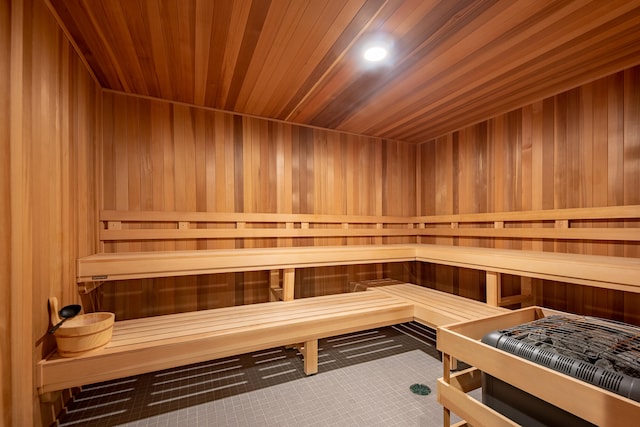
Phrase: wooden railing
(201, 225)
(556, 224)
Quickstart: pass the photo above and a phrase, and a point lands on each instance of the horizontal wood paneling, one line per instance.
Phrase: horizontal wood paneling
(580, 148)
(161, 156)
(452, 63)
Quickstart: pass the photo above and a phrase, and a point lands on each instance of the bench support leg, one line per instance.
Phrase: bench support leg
(288, 284)
(493, 288)
(310, 357)
(274, 285)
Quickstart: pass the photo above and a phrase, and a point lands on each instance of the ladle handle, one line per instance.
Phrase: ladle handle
(55, 328)
(53, 311)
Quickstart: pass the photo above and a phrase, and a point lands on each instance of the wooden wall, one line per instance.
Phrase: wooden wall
(48, 185)
(5, 217)
(580, 148)
(163, 156)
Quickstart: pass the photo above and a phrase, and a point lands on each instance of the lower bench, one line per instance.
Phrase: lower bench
(435, 308)
(149, 344)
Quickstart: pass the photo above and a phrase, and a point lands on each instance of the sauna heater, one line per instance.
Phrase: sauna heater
(601, 352)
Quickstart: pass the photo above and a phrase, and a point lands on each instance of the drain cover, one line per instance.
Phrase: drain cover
(420, 389)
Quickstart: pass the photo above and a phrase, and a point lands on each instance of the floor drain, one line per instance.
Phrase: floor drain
(420, 389)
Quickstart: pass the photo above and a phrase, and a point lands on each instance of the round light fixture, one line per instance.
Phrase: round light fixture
(375, 53)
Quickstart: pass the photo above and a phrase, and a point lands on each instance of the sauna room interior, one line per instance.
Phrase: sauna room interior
(179, 158)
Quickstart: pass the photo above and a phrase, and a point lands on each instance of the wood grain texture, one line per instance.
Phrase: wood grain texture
(453, 63)
(575, 150)
(52, 125)
(73, 150)
(146, 345)
(6, 378)
(164, 156)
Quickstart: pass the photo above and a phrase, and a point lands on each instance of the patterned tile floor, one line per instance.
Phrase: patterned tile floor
(364, 380)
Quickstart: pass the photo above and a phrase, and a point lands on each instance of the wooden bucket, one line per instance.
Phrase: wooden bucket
(81, 333)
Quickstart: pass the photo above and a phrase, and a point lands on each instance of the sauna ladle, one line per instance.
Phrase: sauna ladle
(66, 312)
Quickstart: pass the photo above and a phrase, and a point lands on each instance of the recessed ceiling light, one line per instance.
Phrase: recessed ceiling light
(375, 53)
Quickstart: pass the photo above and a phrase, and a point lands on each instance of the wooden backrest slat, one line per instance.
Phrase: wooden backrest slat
(239, 233)
(593, 213)
(572, 214)
(232, 217)
(616, 234)
(155, 225)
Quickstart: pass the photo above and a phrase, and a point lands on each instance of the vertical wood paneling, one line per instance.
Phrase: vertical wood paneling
(52, 110)
(580, 148)
(6, 378)
(533, 130)
(163, 156)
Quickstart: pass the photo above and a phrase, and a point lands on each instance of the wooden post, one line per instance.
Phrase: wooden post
(493, 288)
(288, 284)
(526, 289)
(446, 376)
(274, 284)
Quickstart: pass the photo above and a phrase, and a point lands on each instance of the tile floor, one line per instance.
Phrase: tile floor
(364, 380)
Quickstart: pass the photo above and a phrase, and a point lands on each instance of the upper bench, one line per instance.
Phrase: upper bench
(337, 240)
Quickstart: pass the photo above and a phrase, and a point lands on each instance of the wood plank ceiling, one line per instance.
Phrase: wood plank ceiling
(453, 62)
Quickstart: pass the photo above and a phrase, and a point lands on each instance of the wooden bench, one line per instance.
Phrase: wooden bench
(610, 272)
(139, 265)
(435, 308)
(119, 228)
(154, 343)
(145, 345)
